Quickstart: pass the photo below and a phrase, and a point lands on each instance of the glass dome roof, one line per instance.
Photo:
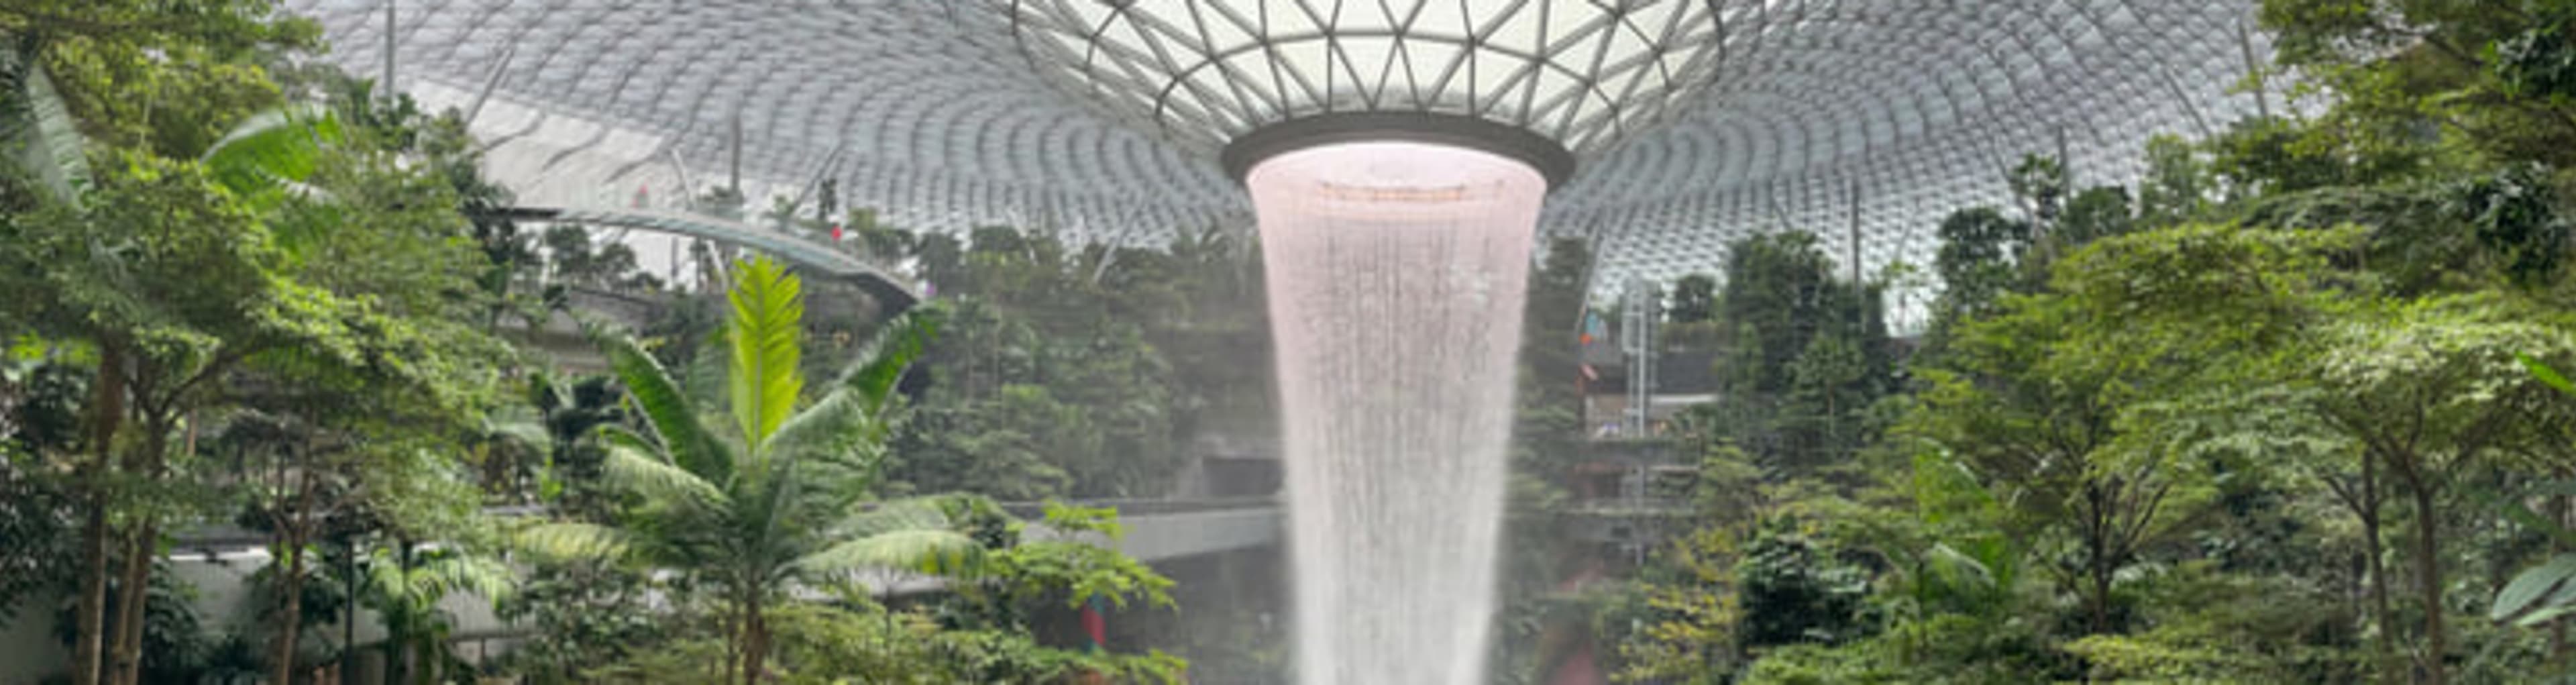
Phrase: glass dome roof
(1579, 72)
(1826, 115)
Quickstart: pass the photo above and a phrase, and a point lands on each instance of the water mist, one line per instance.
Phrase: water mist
(1396, 272)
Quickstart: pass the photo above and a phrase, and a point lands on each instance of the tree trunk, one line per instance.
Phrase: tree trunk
(397, 634)
(755, 647)
(2097, 562)
(2428, 578)
(2375, 554)
(284, 658)
(131, 599)
(107, 411)
(292, 536)
(2101, 599)
(147, 463)
(90, 615)
(2558, 626)
(349, 611)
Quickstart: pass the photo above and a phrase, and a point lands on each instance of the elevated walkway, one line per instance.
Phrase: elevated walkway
(817, 259)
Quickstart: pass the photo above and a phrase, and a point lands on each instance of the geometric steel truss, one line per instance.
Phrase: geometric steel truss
(1734, 117)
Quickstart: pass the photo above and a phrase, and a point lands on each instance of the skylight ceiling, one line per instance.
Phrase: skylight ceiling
(1801, 113)
(1205, 71)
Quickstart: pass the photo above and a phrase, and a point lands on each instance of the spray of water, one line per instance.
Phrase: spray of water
(1396, 273)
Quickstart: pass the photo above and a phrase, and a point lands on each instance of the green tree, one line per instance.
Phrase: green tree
(2481, 71)
(2433, 391)
(1698, 616)
(2047, 397)
(406, 585)
(781, 497)
(2177, 185)
(1979, 247)
(575, 260)
(1800, 355)
(1694, 299)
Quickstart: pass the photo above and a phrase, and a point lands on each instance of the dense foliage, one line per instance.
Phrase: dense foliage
(1080, 370)
(2285, 417)
(251, 294)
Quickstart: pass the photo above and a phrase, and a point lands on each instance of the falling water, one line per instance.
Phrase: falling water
(1396, 273)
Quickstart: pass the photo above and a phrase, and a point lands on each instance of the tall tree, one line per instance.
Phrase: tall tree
(2059, 395)
(2433, 392)
(1800, 354)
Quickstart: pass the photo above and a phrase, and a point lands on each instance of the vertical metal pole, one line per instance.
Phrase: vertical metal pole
(2065, 169)
(489, 83)
(688, 186)
(1855, 232)
(734, 179)
(2253, 68)
(2174, 84)
(385, 89)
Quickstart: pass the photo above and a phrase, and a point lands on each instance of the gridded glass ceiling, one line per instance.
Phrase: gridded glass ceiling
(1205, 71)
(1697, 121)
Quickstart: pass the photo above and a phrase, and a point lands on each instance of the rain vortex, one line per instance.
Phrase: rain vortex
(1396, 273)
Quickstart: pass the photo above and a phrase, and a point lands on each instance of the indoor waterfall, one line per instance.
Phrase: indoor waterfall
(1396, 272)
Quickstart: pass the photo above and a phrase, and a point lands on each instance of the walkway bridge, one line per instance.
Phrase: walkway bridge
(817, 259)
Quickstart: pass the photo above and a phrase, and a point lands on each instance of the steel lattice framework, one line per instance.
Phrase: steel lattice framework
(1206, 72)
(1696, 122)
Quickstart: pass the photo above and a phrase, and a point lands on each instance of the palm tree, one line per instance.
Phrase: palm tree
(782, 497)
(405, 586)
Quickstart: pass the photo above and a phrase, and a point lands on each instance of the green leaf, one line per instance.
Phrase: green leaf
(271, 154)
(45, 141)
(1958, 569)
(929, 551)
(2544, 615)
(913, 513)
(880, 365)
(634, 470)
(2546, 375)
(765, 331)
(2524, 515)
(669, 412)
(842, 428)
(568, 540)
(521, 429)
(474, 573)
(2525, 592)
